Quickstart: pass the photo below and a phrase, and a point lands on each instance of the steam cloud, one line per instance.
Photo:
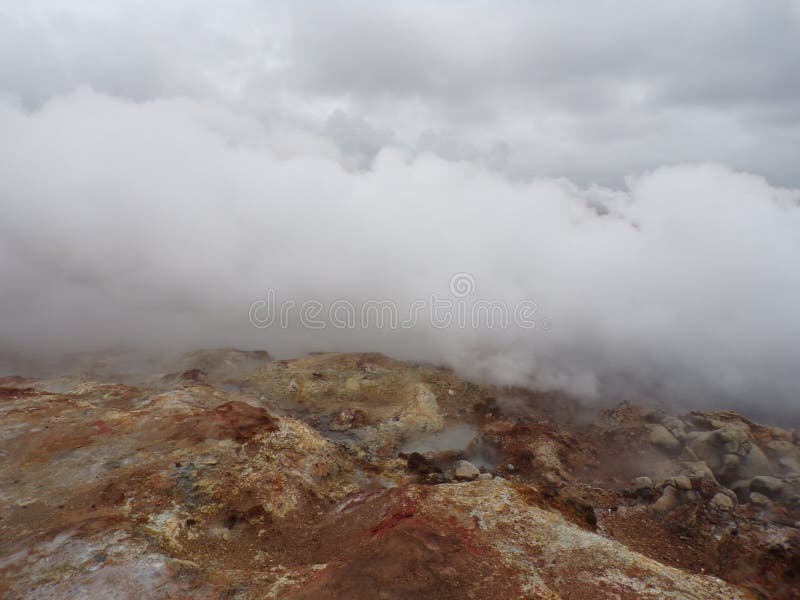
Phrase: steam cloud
(154, 215)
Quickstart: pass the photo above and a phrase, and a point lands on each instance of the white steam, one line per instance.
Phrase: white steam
(158, 224)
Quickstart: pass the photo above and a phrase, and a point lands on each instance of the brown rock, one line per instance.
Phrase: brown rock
(722, 502)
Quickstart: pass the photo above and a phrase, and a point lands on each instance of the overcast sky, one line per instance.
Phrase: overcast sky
(632, 167)
(590, 90)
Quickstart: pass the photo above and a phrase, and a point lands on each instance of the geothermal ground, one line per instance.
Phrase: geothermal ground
(225, 474)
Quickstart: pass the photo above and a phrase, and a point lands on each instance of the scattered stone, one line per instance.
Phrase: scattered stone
(682, 482)
(764, 484)
(484, 477)
(642, 485)
(721, 502)
(661, 438)
(465, 470)
(668, 500)
(509, 467)
(759, 499)
(692, 495)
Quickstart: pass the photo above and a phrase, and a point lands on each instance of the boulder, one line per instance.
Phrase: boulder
(764, 484)
(661, 438)
(728, 452)
(668, 499)
(790, 464)
(465, 470)
(781, 448)
(722, 502)
(697, 468)
(741, 487)
(675, 426)
(753, 463)
(682, 482)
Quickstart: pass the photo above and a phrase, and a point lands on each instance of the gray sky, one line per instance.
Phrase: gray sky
(589, 90)
(630, 167)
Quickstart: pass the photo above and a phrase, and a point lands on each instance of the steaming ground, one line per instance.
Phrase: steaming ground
(157, 224)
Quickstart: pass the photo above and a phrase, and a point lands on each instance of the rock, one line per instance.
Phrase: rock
(741, 487)
(509, 467)
(732, 439)
(697, 468)
(654, 416)
(728, 452)
(721, 502)
(790, 464)
(698, 420)
(730, 463)
(759, 499)
(675, 426)
(764, 484)
(754, 463)
(661, 438)
(682, 482)
(346, 419)
(418, 463)
(423, 413)
(668, 499)
(192, 493)
(702, 444)
(465, 470)
(780, 448)
(772, 435)
(219, 364)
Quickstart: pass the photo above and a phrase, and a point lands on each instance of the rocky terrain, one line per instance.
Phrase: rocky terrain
(225, 474)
